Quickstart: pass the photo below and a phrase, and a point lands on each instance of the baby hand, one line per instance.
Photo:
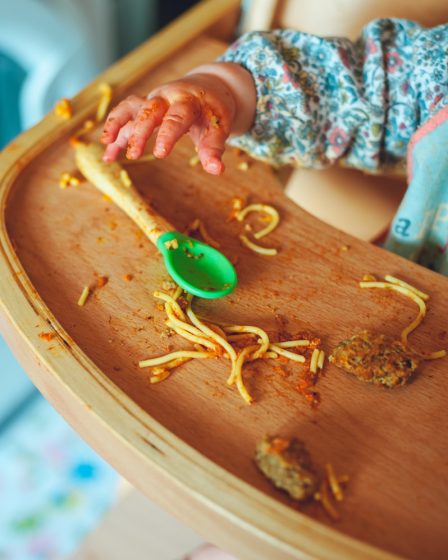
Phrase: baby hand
(200, 104)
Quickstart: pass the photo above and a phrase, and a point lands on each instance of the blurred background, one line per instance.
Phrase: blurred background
(51, 48)
(53, 488)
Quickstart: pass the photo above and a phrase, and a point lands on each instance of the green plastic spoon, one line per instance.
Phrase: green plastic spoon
(195, 266)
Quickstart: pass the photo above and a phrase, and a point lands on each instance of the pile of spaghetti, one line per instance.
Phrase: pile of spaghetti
(238, 343)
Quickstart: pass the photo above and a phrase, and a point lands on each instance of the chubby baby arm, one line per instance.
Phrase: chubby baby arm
(211, 103)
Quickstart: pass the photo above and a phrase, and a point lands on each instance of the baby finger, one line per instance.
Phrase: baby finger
(148, 118)
(113, 149)
(119, 116)
(177, 121)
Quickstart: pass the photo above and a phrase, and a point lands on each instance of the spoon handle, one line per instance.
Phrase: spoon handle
(111, 181)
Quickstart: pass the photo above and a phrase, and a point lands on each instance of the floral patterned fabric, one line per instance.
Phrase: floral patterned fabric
(320, 100)
(324, 99)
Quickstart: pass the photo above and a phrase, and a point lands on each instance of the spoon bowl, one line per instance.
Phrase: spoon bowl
(198, 268)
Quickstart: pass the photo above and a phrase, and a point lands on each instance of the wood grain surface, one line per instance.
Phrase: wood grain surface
(392, 443)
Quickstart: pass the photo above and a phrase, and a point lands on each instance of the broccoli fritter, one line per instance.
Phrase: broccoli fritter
(288, 465)
(375, 358)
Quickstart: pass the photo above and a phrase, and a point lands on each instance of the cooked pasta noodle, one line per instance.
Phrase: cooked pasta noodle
(157, 378)
(208, 331)
(333, 482)
(238, 374)
(173, 301)
(264, 345)
(290, 355)
(190, 336)
(406, 292)
(239, 212)
(84, 295)
(321, 359)
(172, 356)
(415, 295)
(403, 284)
(272, 213)
(268, 251)
(314, 358)
(293, 343)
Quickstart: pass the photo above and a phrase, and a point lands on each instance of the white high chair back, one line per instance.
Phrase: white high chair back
(56, 49)
(343, 18)
(359, 204)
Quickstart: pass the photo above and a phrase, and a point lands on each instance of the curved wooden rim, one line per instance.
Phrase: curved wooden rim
(281, 530)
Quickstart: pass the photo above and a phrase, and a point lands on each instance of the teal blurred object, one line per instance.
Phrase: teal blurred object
(419, 231)
(49, 49)
(17, 390)
(12, 77)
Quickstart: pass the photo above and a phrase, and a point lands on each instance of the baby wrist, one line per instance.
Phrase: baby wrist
(241, 85)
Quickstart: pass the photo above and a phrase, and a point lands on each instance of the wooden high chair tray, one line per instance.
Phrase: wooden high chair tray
(188, 442)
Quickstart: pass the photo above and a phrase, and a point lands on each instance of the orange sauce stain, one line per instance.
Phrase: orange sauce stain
(47, 336)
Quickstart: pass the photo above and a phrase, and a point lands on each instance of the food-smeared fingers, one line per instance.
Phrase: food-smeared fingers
(113, 149)
(177, 121)
(119, 116)
(148, 118)
(210, 150)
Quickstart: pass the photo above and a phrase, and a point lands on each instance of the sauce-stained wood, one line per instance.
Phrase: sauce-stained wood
(188, 442)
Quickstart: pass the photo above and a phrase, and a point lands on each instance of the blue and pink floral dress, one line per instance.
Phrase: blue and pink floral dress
(369, 104)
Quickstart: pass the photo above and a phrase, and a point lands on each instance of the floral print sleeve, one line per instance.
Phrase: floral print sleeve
(325, 99)
(370, 104)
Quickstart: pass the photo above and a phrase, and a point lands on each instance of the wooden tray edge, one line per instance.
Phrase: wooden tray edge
(260, 527)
